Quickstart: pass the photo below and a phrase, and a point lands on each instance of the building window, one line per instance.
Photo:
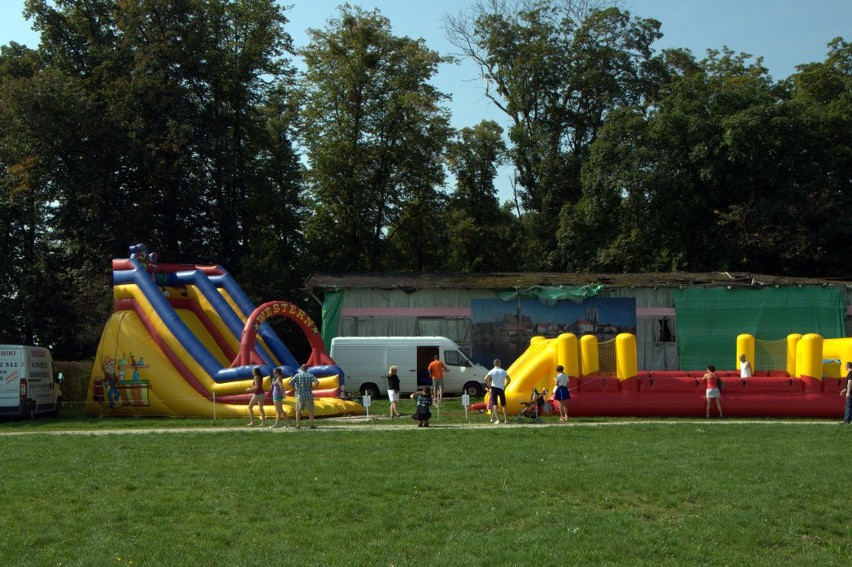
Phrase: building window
(665, 330)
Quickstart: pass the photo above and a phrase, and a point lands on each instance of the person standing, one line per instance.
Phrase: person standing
(256, 397)
(393, 391)
(847, 391)
(422, 414)
(436, 373)
(713, 392)
(278, 395)
(498, 379)
(745, 367)
(303, 382)
(561, 394)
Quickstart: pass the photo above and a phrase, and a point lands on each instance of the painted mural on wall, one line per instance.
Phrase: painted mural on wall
(503, 329)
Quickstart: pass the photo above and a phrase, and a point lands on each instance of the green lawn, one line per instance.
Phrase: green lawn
(599, 492)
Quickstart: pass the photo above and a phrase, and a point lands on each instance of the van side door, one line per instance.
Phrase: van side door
(425, 355)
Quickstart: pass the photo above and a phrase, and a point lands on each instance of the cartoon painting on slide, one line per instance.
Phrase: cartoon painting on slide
(503, 329)
(115, 389)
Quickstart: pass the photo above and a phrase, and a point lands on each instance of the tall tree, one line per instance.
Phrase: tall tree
(817, 160)
(31, 123)
(725, 171)
(556, 68)
(374, 130)
(481, 235)
(165, 122)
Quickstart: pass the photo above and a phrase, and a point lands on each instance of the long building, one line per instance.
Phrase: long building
(682, 321)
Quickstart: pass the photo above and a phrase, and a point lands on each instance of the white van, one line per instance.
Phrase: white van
(29, 384)
(365, 362)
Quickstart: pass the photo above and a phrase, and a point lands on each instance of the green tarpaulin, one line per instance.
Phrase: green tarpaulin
(709, 320)
(551, 294)
(331, 304)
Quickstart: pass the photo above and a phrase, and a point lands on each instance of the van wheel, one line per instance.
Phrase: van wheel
(370, 390)
(30, 411)
(474, 389)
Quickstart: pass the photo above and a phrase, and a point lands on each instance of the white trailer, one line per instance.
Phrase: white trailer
(366, 360)
(29, 385)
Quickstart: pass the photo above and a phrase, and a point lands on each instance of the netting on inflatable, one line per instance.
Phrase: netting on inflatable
(606, 357)
(770, 355)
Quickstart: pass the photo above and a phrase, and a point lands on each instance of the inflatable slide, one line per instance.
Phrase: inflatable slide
(183, 340)
(809, 387)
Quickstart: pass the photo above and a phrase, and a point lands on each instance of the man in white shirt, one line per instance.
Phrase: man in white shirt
(498, 379)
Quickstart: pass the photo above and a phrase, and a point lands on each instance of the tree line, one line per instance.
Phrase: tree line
(197, 127)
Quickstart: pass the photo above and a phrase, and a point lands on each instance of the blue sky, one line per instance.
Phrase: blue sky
(785, 33)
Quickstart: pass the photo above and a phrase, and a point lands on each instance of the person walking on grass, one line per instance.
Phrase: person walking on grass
(561, 394)
(436, 373)
(303, 382)
(498, 379)
(713, 392)
(278, 395)
(393, 391)
(256, 397)
(847, 391)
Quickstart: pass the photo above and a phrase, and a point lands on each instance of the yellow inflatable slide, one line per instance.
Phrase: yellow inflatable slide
(184, 339)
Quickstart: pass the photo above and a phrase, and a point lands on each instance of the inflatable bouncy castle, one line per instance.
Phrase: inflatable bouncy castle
(605, 380)
(183, 341)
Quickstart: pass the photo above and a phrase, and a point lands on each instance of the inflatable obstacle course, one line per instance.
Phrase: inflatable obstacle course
(606, 381)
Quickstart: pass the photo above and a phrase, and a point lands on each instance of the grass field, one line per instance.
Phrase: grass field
(361, 492)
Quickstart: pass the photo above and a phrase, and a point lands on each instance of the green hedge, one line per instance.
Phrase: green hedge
(75, 380)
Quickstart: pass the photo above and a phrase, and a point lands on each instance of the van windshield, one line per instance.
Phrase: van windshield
(455, 358)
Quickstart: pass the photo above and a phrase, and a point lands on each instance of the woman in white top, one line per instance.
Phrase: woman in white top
(745, 367)
(561, 394)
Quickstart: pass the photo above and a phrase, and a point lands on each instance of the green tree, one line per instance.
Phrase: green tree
(725, 171)
(374, 132)
(480, 234)
(29, 284)
(556, 68)
(159, 121)
(821, 96)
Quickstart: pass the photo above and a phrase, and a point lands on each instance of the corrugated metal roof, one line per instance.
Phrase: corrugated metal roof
(412, 281)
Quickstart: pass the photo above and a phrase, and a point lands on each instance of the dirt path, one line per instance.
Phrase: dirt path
(383, 424)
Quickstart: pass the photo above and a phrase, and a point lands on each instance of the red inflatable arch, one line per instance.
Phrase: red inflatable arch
(281, 309)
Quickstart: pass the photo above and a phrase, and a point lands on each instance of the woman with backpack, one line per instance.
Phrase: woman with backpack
(714, 392)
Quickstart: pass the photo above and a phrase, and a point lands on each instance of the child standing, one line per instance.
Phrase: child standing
(561, 394)
(278, 395)
(257, 396)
